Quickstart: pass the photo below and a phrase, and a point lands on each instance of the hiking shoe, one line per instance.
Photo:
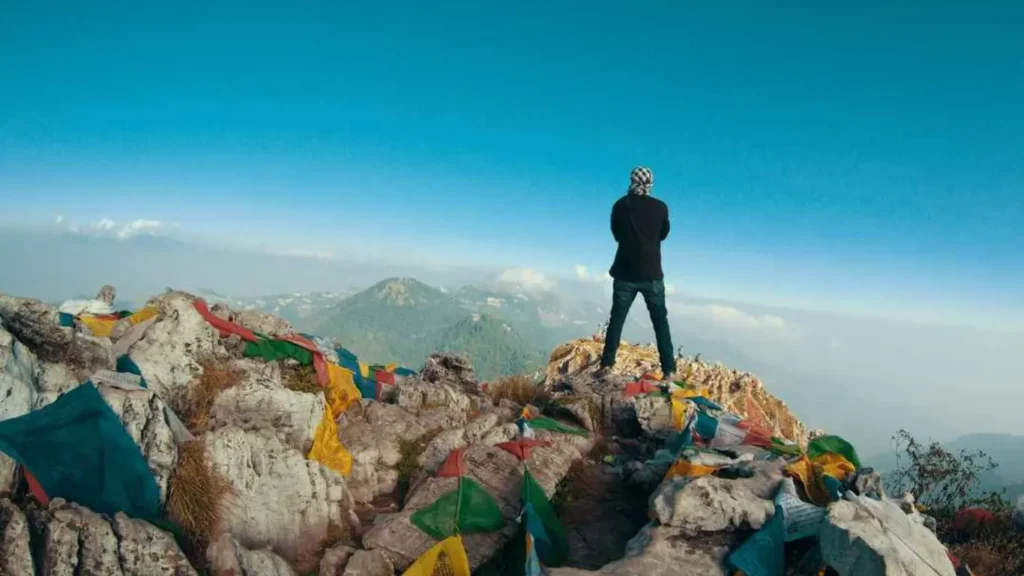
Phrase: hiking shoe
(603, 373)
(669, 377)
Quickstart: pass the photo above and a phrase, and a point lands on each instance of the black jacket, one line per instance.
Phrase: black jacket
(639, 224)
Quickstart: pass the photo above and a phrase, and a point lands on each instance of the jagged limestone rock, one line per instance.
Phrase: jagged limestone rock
(75, 540)
(712, 504)
(261, 402)
(19, 370)
(227, 556)
(369, 563)
(738, 392)
(280, 500)
(866, 537)
(373, 432)
(170, 353)
(146, 550)
(143, 414)
(15, 553)
(263, 323)
(335, 560)
(666, 551)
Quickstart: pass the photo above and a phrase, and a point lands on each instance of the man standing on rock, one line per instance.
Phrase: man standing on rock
(639, 224)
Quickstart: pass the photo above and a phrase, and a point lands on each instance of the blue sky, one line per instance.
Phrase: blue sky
(867, 160)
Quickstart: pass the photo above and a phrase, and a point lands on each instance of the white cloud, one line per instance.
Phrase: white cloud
(670, 289)
(138, 226)
(527, 279)
(729, 317)
(581, 271)
(60, 218)
(105, 224)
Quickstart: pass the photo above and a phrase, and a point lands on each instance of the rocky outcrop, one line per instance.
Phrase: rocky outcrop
(144, 416)
(170, 353)
(664, 551)
(15, 553)
(37, 326)
(573, 364)
(286, 513)
(279, 499)
(712, 504)
(261, 402)
(335, 559)
(19, 371)
(263, 323)
(369, 563)
(227, 556)
(75, 540)
(863, 536)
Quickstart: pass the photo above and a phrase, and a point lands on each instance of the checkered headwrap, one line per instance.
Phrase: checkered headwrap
(640, 181)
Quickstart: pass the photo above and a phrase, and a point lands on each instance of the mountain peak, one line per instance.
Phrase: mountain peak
(403, 291)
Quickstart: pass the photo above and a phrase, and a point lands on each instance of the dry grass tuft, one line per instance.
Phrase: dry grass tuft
(300, 378)
(194, 405)
(195, 498)
(519, 389)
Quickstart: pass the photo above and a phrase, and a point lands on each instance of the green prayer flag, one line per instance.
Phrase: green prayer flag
(465, 510)
(834, 444)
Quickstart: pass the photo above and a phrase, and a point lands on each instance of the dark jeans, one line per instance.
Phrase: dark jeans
(623, 294)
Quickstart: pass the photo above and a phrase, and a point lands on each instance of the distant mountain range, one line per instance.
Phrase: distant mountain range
(301, 309)
(404, 320)
(505, 329)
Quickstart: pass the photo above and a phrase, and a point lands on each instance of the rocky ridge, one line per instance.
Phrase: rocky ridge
(287, 514)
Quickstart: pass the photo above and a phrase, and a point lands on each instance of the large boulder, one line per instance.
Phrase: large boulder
(369, 563)
(263, 323)
(172, 349)
(227, 556)
(54, 379)
(144, 416)
(713, 504)
(280, 500)
(866, 537)
(666, 551)
(738, 392)
(15, 553)
(335, 559)
(75, 540)
(450, 368)
(261, 402)
(498, 472)
(19, 372)
(374, 432)
(37, 326)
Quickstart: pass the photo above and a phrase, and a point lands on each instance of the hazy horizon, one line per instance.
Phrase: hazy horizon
(858, 376)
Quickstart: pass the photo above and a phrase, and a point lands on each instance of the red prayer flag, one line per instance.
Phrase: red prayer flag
(641, 387)
(35, 488)
(454, 466)
(225, 327)
(521, 448)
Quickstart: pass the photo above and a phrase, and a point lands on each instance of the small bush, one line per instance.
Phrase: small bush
(195, 498)
(194, 405)
(519, 389)
(944, 483)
